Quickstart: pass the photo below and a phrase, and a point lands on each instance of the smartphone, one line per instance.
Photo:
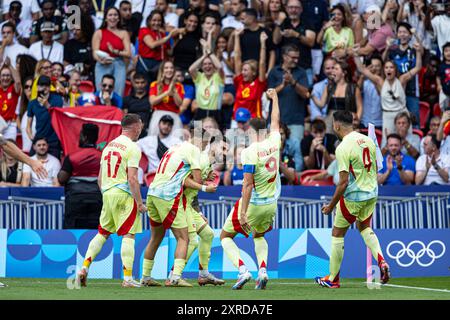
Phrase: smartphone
(332, 16)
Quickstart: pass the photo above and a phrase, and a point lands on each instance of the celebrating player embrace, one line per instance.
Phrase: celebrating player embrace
(255, 211)
(167, 207)
(356, 196)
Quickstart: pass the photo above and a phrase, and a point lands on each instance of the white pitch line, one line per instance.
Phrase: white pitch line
(417, 288)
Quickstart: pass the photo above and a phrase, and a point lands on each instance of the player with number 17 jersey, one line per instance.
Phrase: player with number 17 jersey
(119, 213)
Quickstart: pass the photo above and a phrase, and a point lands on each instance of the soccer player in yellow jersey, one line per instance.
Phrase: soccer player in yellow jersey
(255, 211)
(213, 153)
(167, 207)
(355, 196)
(122, 201)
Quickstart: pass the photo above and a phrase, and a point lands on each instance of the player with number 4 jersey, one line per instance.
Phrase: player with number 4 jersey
(255, 211)
(122, 199)
(355, 196)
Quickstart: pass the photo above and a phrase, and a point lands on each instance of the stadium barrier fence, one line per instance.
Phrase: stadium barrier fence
(425, 210)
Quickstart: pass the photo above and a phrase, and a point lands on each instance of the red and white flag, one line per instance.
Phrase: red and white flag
(67, 123)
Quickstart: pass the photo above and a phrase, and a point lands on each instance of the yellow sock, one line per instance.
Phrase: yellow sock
(337, 253)
(193, 244)
(371, 240)
(127, 254)
(147, 267)
(204, 247)
(262, 251)
(232, 251)
(95, 246)
(178, 267)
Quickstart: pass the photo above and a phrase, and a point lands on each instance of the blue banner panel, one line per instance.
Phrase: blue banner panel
(306, 192)
(293, 253)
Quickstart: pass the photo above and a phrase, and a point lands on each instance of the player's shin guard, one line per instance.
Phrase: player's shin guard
(337, 253)
(127, 254)
(95, 246)
(178, 267)
(193, 244)
(371, 240)
(204, 247)
(232, 251)
(147, 267)
(262, 251)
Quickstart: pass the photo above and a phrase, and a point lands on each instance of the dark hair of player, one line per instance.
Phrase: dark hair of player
(343, 116)
(129, 119)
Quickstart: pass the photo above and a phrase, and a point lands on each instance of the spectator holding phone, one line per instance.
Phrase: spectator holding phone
(336, 34)
(39, 108)
(398, 168)
(319, 147)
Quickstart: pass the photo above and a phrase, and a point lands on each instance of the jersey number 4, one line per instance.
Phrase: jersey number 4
(366, 159)
(108, 159)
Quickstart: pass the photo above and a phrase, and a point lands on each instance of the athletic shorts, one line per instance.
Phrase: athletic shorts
(119, 214)
(194, 219)
(259, 217)
(169, 213)
(348, 212)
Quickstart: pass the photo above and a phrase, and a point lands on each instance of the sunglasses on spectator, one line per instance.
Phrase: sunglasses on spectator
(392, 95)
(109, 86)
(46, 67)
(27, 87)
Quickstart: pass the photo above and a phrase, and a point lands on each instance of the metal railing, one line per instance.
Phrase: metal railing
(425, 210)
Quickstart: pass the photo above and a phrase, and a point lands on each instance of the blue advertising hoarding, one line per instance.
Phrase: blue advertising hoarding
(293, 253)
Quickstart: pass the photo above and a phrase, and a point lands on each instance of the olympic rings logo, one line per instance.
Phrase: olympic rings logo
(416, 256)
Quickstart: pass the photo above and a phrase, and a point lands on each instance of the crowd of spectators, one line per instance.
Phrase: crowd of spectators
(173, 63)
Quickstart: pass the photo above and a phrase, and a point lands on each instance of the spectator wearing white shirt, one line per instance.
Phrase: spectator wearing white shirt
(8, 48)
(143, 7)
(432, 167)
(170, 18)
(30, 9)
(47, 48)
(51, 165)
(441, 26)
(231, 20)
(22, 26)
(154, 147)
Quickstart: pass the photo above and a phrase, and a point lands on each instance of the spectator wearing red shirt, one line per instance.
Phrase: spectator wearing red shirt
(153, 45)
(166, 97)
(250, 81)
(428, 83)
(9, 97)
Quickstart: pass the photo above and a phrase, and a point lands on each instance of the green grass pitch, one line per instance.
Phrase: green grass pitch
(297, 289)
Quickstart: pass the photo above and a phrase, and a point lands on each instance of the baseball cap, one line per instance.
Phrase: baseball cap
(44, 81)
(242, 115)
(166, 118)
(47, 26)
(373, 8)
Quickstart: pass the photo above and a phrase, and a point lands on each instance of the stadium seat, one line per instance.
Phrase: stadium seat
(378, 133)
(437, 110)
(143, 164)
(307, 173)
(128, 88)
(424, 112)
(19, 140)
(87, 86)
(149, 178)
(418, 132)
